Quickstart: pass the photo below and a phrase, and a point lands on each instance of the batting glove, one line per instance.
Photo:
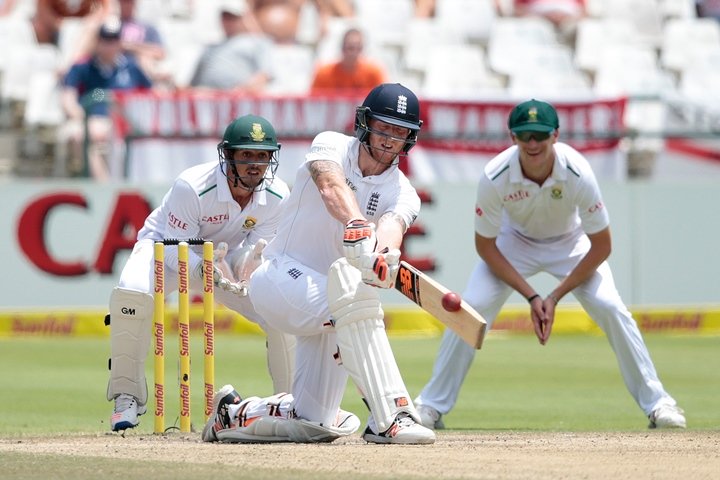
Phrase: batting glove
(359, 241)
(379, 269)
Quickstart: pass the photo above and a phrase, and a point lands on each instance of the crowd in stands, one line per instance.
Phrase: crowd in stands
(462, 49)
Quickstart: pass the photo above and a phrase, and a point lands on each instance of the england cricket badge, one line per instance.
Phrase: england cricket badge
(556, 193)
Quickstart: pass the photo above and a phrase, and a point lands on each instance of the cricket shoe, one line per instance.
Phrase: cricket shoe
(126, 413)
(667, 416)
(220, 419)
(404, 430)
(429, 417)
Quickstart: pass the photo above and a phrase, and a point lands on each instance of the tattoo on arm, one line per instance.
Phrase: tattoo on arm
(392, 216)
(319, 167)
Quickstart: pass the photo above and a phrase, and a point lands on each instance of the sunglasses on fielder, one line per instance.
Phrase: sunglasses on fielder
(537, 136)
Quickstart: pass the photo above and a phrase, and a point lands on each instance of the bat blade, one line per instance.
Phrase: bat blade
(427, 293)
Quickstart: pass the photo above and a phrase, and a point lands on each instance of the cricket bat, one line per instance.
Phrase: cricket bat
(428, 293)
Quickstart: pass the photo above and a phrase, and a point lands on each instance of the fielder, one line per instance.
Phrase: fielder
(337, 243)
(236, 203)
(539, 209)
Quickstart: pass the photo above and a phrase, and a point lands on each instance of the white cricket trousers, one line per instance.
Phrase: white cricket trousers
(598, 296)
(292, 298)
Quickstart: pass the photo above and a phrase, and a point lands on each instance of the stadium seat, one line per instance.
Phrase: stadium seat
(473, 19)
(292, 69)
(699, 81)
(43, 108)
(596, 34)
(549, 71)
(21, 63)
(645, 16)
(683, 37)
(625, 70)
(678, 9)
(423, 34)
(459, 72)
(509, 36)
(386, 19)
(14, 31)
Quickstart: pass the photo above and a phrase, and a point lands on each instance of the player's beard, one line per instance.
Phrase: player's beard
(239, 181)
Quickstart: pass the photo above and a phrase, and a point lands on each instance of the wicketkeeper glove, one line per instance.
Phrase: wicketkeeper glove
(379, 269)
(359, 241)
(222, 274)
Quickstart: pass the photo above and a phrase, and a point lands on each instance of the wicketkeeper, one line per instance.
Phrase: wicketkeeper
(235, 203)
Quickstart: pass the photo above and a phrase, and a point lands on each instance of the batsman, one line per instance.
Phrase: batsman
(236, 203)
(337, 243)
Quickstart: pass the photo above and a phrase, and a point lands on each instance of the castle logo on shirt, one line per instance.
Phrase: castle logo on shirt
(250, 223)
(215, 219)
(515, 196)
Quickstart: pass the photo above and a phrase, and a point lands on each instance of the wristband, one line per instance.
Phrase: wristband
(532, 297)
(554, 298)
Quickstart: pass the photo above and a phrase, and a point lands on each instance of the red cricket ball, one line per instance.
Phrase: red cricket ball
(451, 302)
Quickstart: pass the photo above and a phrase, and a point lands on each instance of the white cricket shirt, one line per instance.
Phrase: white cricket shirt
(308, 233)
(200, 205)
(569, 199)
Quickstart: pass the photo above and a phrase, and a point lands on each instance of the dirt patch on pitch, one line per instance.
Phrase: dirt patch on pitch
(511, 455)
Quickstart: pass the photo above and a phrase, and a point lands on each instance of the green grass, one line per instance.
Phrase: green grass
(57, 385)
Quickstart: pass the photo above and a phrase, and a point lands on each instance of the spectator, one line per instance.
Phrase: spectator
(241, 62)
(280, 19)
(352, 73)
(49, 16)
(140, 40)
(424, 8)
(107, 69)
(6, 7)
(563, 14)
(708, 8)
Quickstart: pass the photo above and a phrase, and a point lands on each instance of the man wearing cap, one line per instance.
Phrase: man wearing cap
(243, 61)
(539, 209)
(107, 69)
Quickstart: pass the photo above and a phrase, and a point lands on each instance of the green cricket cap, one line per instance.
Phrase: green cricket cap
(533, 116)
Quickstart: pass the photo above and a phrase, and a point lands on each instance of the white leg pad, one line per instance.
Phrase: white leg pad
(130, 334)
(263, 429)
(280, 359)
(305, 431)
(363, 343)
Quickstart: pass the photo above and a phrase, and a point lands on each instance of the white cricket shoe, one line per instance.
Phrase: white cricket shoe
(220, 418)
(126, 413)
(667, 416)
(404, 430)
(429, 417)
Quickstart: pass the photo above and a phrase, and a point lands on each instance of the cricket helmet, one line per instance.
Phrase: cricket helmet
(391, 103)
(249, 132)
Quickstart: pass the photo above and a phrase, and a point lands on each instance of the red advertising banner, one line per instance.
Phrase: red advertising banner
(460, 126)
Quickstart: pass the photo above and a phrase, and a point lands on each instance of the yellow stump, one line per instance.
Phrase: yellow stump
(159, 335)
(208, 327)
(184, 335)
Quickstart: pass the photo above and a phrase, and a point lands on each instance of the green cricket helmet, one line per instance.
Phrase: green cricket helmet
(249, 132)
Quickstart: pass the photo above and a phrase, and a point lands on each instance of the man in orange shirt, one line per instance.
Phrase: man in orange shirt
(353, 73)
